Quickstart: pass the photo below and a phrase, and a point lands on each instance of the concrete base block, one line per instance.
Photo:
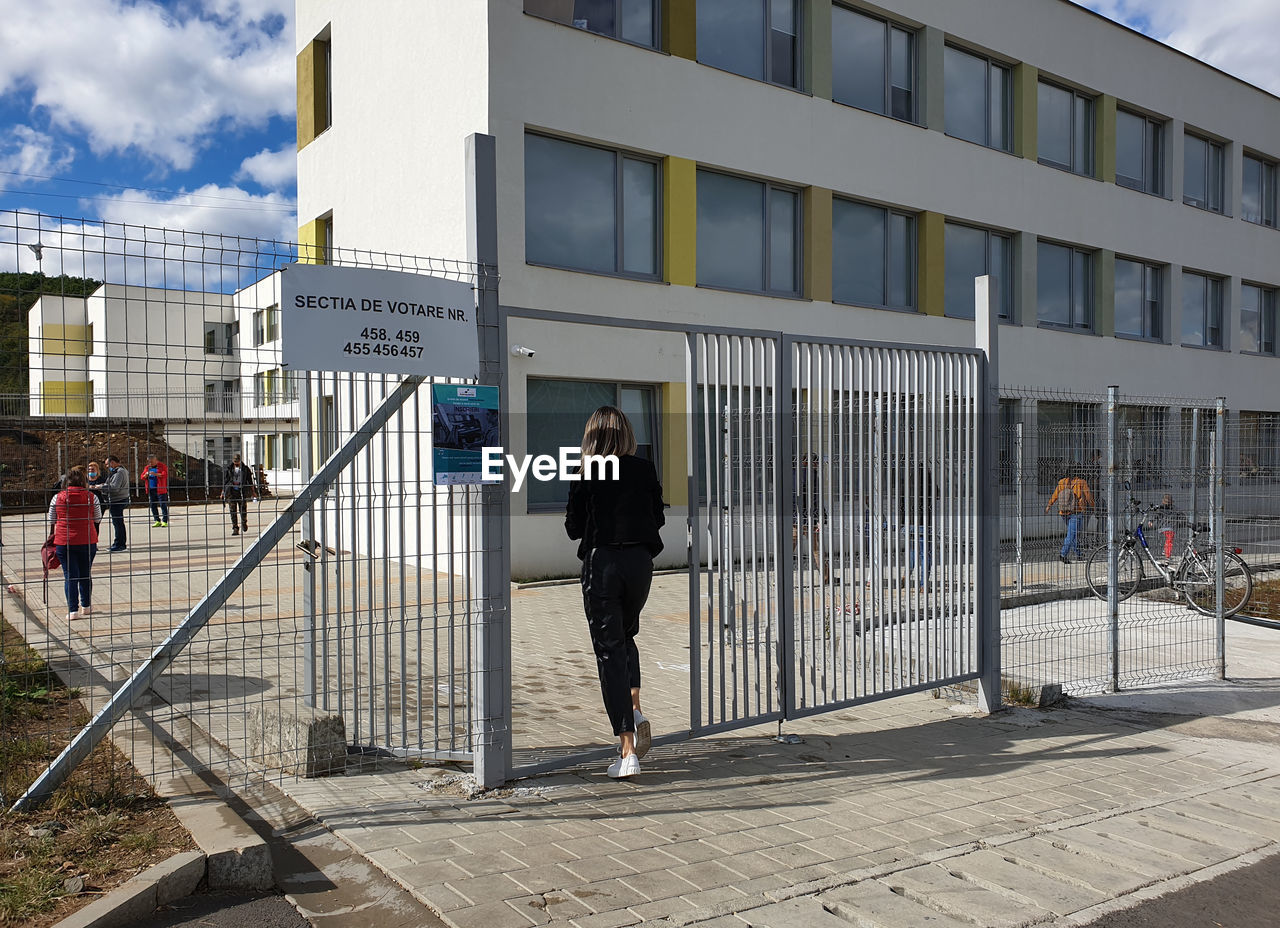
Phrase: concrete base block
(236, 856)
(298, 739)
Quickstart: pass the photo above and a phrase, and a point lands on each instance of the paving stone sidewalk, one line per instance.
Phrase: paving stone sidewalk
(909, 812)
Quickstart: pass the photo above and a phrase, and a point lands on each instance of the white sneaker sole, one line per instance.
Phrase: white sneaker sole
(644, 736)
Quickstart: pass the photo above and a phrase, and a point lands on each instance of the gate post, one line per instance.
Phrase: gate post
(986, 333)
(1017, 490)
(491, 620)
(787, 403)
(1219, 491)
(1113, 551)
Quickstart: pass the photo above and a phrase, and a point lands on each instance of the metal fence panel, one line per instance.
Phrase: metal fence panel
(357, 626)
(1057, 630)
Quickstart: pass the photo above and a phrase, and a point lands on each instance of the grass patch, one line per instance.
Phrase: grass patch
(101, 827)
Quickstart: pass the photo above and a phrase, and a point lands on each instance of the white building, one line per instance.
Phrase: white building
(142, 354)
(834, 169)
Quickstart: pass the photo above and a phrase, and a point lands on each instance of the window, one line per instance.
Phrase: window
(219, 337)
(1064, 286)
(220, 396)
(1201, 310)
(630, 20)
(1258, 194)
(1139, 299)
(324, 84)
(1202, 179)
(873, 256)
(1259, 445)
(1257, 319)
(874, 64)
(560, 408)
(1067, 435)
(1139, 153)
(978, 99)
(590, 209)
(740, 218)
(287, 381)
(291, 448)
(327, 250)
(754, 38)
(974, 253)
(265, 325)
(273, 451)
(260, 397)
(1065, 129)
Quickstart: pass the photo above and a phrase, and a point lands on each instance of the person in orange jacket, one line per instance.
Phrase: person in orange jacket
(155, 477)
(1074, 500)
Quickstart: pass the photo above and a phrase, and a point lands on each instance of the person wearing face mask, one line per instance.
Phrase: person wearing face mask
(114, 487)
(93, 474)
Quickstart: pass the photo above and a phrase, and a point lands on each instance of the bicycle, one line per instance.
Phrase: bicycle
(1194, 576)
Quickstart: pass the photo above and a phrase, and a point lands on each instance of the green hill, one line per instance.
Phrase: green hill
(18, 292)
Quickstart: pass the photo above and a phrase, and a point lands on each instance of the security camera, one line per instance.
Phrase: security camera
(520, 351)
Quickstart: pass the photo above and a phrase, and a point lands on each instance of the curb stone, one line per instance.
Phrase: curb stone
(168, 880)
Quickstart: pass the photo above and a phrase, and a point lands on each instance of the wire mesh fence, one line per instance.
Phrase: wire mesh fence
(1056, 453)
(152, 433)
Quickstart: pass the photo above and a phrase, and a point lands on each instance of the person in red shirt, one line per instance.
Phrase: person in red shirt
(155, 477)
(74, 515)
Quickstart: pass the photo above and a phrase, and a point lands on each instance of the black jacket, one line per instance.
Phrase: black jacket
(614, 512)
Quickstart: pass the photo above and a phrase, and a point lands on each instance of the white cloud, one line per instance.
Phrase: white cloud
(1237, 36)
(24, 150)
(146, 245)
(135, 75)
(275, 170)
(210, 209)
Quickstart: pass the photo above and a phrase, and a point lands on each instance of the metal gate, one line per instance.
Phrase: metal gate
(834, 492)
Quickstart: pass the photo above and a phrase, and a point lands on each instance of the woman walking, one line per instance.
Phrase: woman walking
(616, 523)
(75, 514)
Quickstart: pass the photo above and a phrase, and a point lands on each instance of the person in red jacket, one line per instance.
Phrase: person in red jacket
(74, 515)
(155, 476)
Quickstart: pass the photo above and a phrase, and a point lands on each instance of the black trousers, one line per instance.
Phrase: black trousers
(236, 502)
(615, 586)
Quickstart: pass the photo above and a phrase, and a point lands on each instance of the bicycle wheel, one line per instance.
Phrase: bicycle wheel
(1200, 587)
(1128, 572)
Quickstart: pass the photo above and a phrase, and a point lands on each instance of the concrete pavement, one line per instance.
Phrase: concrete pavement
(905, 812)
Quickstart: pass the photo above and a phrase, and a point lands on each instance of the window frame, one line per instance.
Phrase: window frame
(655, 43)
(889, 25)
(1268, 298)
(1221, 308)
(621, 155)
(1153, 135)
(1160, 284)
(766, 253)
(913, 257)
(767, 51)
(653, 412)
(1091, 287)
(1008, 114)
(1091, 155)
(1006, 291)
(1267, 195)
(1221, 181)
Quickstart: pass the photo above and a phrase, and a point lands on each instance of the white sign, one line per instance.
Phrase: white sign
(381, 322)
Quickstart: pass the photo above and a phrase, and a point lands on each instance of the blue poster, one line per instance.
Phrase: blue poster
(464, 419)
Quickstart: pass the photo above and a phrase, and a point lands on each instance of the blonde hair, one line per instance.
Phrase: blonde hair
(608, 432)
(94, 465)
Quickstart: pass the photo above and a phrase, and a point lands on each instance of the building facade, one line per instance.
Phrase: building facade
(833, 169)
(204, 365)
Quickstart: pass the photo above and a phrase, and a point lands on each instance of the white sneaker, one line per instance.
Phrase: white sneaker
(624, 767)
(72, 616)
(85, 612)
(644, 735)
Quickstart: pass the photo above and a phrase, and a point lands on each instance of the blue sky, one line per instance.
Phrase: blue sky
(179, 113)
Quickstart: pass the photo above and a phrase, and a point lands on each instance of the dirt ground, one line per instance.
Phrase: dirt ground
(103, 826)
